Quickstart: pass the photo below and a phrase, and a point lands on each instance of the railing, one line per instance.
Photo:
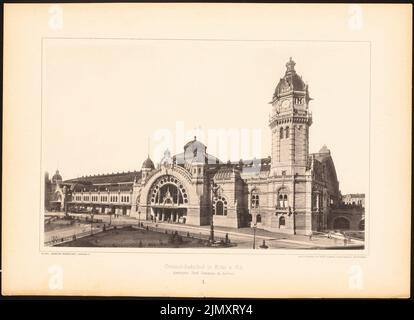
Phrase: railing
(188, 234)
(54, 240)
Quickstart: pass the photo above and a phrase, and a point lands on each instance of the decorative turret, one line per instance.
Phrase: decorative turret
(325, 150)
(148, 164)
(147, 167)
(57, 178)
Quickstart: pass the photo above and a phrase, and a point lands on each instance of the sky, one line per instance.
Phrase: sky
(108, 104)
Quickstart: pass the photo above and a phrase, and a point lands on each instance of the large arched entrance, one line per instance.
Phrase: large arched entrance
(168, 200)
(341, 224)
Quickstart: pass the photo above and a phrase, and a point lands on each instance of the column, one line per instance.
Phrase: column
(292, 143)
(317, 200)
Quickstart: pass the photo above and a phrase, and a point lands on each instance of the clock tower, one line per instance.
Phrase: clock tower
(290, 120)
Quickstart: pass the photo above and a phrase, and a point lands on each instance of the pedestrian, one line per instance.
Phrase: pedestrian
(310, 236)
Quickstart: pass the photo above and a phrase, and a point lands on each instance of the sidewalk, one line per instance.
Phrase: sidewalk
(243, 236)
(247, 234)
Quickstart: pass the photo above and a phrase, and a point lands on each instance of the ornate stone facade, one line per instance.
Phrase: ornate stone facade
(292, 191)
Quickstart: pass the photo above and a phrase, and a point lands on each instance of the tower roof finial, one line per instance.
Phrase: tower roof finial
(148, 146)
(290, 66)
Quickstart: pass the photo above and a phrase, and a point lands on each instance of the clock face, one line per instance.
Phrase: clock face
(285, 104)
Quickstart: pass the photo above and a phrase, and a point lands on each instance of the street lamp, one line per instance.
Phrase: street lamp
(92, 222)
(214, 189)
(254, 235)
(66, 197)
(139, 218)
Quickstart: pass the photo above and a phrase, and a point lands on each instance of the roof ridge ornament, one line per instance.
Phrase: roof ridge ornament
(290, 66)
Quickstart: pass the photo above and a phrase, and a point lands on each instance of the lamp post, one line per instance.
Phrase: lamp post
(66, 198)
(254, 236)
(139, 218)
(92, 223)
(214, 189)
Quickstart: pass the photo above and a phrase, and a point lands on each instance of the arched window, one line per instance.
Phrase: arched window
(287, 132)
(220, 206)
(168, 190)
(282, 222)
(281, 133)
(283, 199)
(255, 199)
(258, 218)
(280, 201)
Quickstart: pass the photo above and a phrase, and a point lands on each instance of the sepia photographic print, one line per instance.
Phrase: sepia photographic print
(206, 192)
(207, 150)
